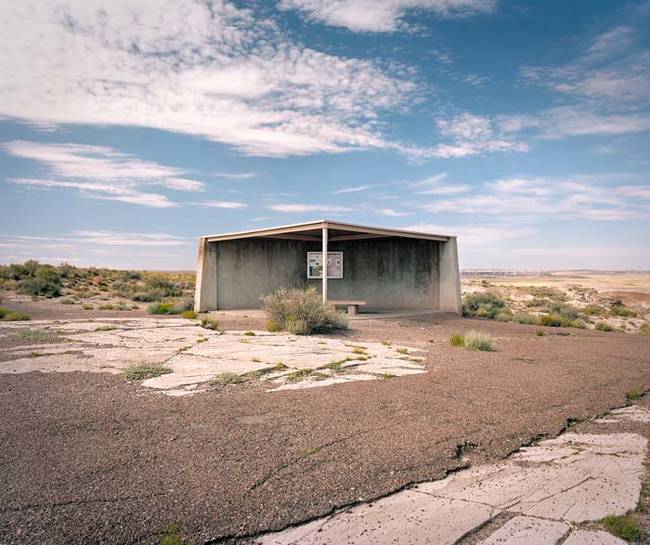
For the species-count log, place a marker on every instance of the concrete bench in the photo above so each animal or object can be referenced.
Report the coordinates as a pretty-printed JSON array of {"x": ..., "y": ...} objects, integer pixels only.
[{"x": 353, "y": 306}]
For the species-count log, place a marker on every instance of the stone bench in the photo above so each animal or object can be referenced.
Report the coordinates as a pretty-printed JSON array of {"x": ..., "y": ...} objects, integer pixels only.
[{"x": 353, "y": 306}]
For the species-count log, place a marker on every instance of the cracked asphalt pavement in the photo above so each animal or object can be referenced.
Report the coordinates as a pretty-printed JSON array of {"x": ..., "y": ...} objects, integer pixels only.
[{"x": 89, "y": 458}]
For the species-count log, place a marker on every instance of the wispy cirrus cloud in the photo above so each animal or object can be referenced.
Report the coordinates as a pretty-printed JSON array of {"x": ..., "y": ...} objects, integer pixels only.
[
  {"x": 221, "y": 204},
  {"x": 100, "y": 172},
  {"x": 354, "y": 189},
  {"x": 381, "y": 15},
  {"x": 213, "y": 70},
  {"x": 300, "y": 208}
]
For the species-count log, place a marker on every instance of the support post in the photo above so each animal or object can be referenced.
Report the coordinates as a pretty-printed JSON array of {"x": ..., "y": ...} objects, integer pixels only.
[
  {"x": 205, "y": 294},
  {"x": 324, "y": 249},
  {"x": 449, "y": 277}
]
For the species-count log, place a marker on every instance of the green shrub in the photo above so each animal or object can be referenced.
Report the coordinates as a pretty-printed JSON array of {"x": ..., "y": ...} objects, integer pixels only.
[
  {"x": 557, "y": 320},
  {"x": 632, "y": 395},
  {"x": 539, "y": 333},
  {"x": 167, "y": 308},
  {"x": 594, "y": 310},
  {"x": 249, "y": 333},
  {"x": 457, "y": 340},
  {"x": 7, "y": 315},
  {"x": 189, "y": 314},
  {"x": 87, "y": 307},
  {"x": 537, "y": 302},
  {"x": 144, "y": 371},
  {"x": 301, "y": 311},
  {"x": 478, "y": 340},
  {"x": 273, "y": 325},
  {"x": 171, "y": 536},
  {"x": 566, "y": 311},
  {"x": 46, "y": 282},
  {"x": 210, "y": 323},
  {"x": 67, "y": 301},
  {"x": 624, "y": 527},
  {"x": 604, "y": 326},
  {"x": 483, "y": 305},
  {"x": 645, "y": 329},
  {"x": 622, "y": 311},
  {"x": 504, "y": 316}
]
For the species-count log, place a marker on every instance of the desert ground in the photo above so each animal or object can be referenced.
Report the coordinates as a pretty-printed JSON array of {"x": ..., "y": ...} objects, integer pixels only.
[{"x": 382, "y": 433}]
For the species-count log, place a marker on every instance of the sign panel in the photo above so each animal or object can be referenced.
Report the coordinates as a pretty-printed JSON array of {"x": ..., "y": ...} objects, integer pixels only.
[{"x": 334, "y": 265}]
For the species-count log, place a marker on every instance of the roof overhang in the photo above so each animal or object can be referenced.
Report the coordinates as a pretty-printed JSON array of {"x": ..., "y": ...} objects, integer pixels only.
[{"x": 337, "y": 231}]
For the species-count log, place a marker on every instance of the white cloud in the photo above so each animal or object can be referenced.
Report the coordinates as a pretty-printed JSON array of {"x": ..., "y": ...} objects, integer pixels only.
[
  {"x": 472, "y": 135},
  {"x": 235, "y": 175},
  {"x": 580, "y": 197},
  {"x": 393, "y": 213},
  {"x": 211, "y": 70},
  {"x": 639, "y": 191},
  {"x": 476, "y": 236},
  {"x": 301, "y": 208},
  {"x": 101, "y": 172},
  {"x": 114, "y": 238},
  {"x": 222, "y": 204},
  {"x": 355, "y": 189},
  {"x": 381, "y": 15}
]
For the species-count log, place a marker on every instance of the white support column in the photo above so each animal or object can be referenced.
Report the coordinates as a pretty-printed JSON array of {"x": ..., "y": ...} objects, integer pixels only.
[{"x": 324, "y": 264}]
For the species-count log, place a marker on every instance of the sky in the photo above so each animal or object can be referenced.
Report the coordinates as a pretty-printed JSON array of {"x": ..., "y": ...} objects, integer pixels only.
[{"x": 130, "y": 128}]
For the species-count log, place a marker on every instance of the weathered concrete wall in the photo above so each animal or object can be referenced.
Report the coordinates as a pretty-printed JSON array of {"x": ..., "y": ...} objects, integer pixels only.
[
  {"x": 450, "y": 299},
  {"x": 386, "y": 272},
  {"x": 205, "y": 294}
]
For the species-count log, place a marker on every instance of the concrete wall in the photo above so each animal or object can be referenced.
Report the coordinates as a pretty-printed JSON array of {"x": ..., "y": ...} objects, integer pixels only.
[{"x": 385, "y": 272}]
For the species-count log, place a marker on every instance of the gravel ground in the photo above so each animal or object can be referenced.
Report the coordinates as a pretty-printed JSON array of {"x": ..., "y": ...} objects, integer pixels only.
[{"x": 88, "y": 458}]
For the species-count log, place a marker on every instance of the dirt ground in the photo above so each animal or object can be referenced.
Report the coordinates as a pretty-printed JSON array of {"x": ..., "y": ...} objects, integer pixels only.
[{"x": 90, "y": 458}]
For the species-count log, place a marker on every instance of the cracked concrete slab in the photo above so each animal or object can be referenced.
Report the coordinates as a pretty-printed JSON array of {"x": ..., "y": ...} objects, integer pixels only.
[
  {"x": 528, "y": 531},
  {"x": 589, "y": 537},
  {"x": 197, "y": 355},
  {"x": 549, "y": 488}
]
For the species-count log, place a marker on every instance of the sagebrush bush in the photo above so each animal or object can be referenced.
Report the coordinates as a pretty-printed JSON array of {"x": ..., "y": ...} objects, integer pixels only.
[
  {"x": 273, "y": 326},
  {"x": 555, "y": 320},
  {"x": 46, "y": 281},
  {"x": 210, "y": 323},
  {"x": 525, "y": 318},
  {"x": 479, "y": 340},
  {"x": 302, "y": 310},
  {"x": 189, "y": 314},
  {"x": 594, "y": 310},
  {"x": 483, "y": 305},
  {"x": 622, "y": 311},
  {"x": 169, "y": 308}
]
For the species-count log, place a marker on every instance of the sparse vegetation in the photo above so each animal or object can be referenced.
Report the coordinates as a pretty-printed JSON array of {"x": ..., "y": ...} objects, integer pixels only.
[
  {"x": 302, "y": 374},
  {"x": 273, "y": 326},
  {"x": 479, "y": 340},
  {"x": 171, "y": 536},
  {"x": 622, "y": 311},
  {"x": 594, "y": 310},
  {"x": 224, "y": 379},
  {"x": 457, "y": 340},
  {"x": 483, "y": 305},
  {"x": 210, "y": 323},
  {"x": 189, "y": 314},
  {"x": 168, "y": 308},
  {"x": 302, "y": 312},
  {"x": 249, "y": 333},
  {"x": 539, "y": 332},
  {"x": 525, "y": 318},
  {"x": 645, "y": 329},
  {"x": 145, "y": 371},
  {"x": 45, "y": 281},
  {"x": 7, "y": 315},
  {"x": 632, "y": 395},
  {"x": 39, "y": 336},
  {"x": 402, "y": 350},
  {"x": 604, "y": 326},
  {"x": 624, "y": 527},
  {"x": 386, "y": 376}
]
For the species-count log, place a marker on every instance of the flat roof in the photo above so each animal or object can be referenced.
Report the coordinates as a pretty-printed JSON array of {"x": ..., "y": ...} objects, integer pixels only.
[{"x": 337, "y": 231}]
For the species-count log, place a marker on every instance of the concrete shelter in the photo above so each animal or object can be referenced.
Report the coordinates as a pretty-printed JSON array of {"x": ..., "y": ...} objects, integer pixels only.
[{"x": 377, "y": 267}]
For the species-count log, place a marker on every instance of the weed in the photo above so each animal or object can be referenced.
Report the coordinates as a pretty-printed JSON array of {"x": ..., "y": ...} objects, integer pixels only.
[
  {"x": 457, "y": 340},
  {"x": 594, "y": 310},
  {"x": 144, "y": 371},
  {"x": 202, "y": 340},
  {"x": 210, "y": 323},
  {"x": 171, "y": 536},
  {"x": 106, "y": 307},
  {"x": 273, "y": 326},
  {"x": 67, "y": 301},
  {"x": 386, "y": 343},
  {"x": 189, "y": 315},
  {"x": 624, "y": 527},
  {"x": 539, "y": 333},
  {"x": 302, "y": 311},
  {"x": 249, "y": 333},
  {"x": 87, "y": 307},
  {"x": 604, "y": 326},
  {"x": 388, "y": 375},
  {"x": 227, "y": 378},
  {"x": 166, "y": 308},
  {"x": 106, "y": 328},
  {"x": 645, "y": 329},
  {"x": 359, "y": 350},
  {"x": 336, "y": 366},
  {"x": 256, "y": 360},
  {"x": 402, "y": 350},
  {"x": 632, "y": 395},
  {"x": 478, "y": 340}
]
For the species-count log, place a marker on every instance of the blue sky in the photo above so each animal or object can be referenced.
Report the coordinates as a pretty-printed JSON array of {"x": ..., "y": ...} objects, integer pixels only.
[{"x": 128, "y": 129}]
